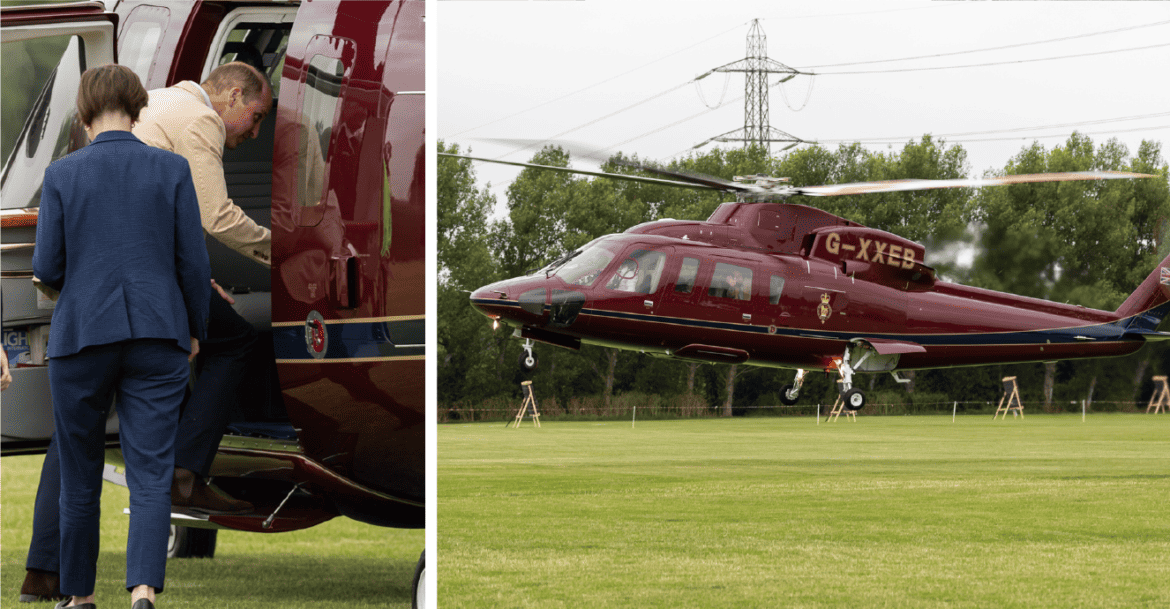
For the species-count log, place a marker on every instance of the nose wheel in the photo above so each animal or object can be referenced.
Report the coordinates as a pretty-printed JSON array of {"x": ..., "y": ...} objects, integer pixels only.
[
  {"x": 854, "y": 399},
  {"x": 791, "y": 392},
  {"x": 528, "y": 360}
]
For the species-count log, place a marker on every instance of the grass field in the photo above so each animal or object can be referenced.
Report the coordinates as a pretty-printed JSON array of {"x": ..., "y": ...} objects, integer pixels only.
[
  {"x": 887, "y": 511},
  {"x": 342, "y": 563}
]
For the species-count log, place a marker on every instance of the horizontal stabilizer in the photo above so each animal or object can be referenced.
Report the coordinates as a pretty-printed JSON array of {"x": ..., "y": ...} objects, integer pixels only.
[{"x": 1147, "y": 335}]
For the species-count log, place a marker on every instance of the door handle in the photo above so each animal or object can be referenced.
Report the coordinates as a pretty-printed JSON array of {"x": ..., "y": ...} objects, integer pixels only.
[
  {"x": 649, "y": 304},
  {"x": 747, "y": 316}
]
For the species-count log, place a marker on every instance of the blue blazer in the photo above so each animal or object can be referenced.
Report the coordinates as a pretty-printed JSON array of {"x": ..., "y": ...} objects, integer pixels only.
[{"x": 119, "y": 236}]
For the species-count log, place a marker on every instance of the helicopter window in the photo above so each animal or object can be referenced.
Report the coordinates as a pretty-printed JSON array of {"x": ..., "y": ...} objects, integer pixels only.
[
  {"x": 139, "y": 39},
  {"x": 686, "y": 275},
  {"x": 38, "y": 129},
  {"x": 323, "y": 89},
  {"x": 262, "y": 46},
  {"x": 731, "y": 281},
  {"x": 638, "y": 273},
  {"x": 583, "y": 268},
  {"x": 776, "y": 288}
]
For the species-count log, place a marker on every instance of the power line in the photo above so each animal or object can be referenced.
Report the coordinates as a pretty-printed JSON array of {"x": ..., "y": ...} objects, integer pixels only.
[
  {"x": 889, "y": 139},
  {"x": 993, "y": 139},
  {"x": 999, "y": 48},
  {"x": 454, "y": 135},
  {"x": 597, "y": 120},
  {"x": 600, "y": 82},
  {"x": 889, "y": 10},
  {"x": 1043, "y": 137},
  {"x": 995, "y": 63}
]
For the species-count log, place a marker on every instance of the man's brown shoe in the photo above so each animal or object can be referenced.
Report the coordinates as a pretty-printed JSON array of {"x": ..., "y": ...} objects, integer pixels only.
[
  {"x": 189, "y": 493},
  {"x": 40, "y": 586}
]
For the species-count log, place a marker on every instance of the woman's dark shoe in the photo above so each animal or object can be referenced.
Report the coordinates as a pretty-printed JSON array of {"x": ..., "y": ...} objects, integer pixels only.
[
  {"x": 143, "y": 603},
  {"x": 65, "y": 603},
  {"x": 40, "y": 586}
]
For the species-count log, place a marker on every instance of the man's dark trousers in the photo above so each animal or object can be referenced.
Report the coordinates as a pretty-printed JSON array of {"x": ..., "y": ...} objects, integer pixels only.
[{"x": 223, "y": 359}]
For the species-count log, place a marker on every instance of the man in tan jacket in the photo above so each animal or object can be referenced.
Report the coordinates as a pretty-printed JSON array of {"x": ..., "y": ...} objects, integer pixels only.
[{"x": 197, "y": 121}]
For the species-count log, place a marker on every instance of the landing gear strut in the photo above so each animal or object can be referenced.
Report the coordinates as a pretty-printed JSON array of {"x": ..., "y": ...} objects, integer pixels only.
[
  {"x": 854, "y": 398},
  {"x": 791, "y": 391},
  {"x": 528, "y": 361}
]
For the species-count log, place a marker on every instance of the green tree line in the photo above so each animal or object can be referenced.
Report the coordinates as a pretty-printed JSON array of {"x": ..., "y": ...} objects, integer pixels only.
[{"x": 1088, "y": 243}]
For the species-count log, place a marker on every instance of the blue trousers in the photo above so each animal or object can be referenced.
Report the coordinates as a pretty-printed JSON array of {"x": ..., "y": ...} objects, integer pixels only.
[
  {"x": 148, "y": 377},
  {"x": 222, "y": 357}
]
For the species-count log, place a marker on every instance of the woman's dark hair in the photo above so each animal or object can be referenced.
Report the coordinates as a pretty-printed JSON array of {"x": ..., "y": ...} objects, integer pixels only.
[{"x": 109, "y": 88}]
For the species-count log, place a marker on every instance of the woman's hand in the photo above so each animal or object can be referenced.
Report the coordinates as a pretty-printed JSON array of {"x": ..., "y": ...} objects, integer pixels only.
[{"x": 5, "y": 375}]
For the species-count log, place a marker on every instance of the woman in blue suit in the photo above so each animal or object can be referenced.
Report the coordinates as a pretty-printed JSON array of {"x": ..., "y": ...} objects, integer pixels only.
[{"x": 119, "y": 237}]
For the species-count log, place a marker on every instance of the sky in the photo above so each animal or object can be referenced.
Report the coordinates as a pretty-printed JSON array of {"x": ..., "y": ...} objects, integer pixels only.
[{"x": 511, "y": 74}]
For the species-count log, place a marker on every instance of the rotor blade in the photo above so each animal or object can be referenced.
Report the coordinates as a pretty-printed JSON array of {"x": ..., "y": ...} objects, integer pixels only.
[
  {"x": 695, "y": 178},
  {"x": 578, "y": 150},
  {"x": 601, "y": 174},
  {"x": 858, "y": 188}
]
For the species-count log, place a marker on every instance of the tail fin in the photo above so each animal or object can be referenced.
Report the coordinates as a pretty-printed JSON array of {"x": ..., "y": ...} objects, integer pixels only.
[{"x": 1150, "y": 302}]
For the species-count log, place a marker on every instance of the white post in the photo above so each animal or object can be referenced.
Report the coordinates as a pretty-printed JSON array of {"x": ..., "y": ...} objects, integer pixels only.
[
  {"x": 954, "y": 409},
  {"x": 818, "y": 414},
  {"x": 1082, "y": 411},
  {"x": 635, "y": 419}
]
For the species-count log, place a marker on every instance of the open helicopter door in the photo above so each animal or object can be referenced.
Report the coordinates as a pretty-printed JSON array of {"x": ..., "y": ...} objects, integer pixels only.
[{"x": 45, "y": 49}]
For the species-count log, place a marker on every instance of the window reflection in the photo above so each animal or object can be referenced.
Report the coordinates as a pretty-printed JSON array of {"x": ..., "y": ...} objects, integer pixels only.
[
  {"x": 584, "y": 267},
  {"x": 37, "y": 129},
  {"x": 686, "y": 275},
  {"x": 323, "y": 84},
  {"x": 775, "y": 289}
]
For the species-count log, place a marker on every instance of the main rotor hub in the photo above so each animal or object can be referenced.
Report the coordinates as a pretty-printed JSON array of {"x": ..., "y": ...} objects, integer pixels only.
[{"x": 761, "y": 180}]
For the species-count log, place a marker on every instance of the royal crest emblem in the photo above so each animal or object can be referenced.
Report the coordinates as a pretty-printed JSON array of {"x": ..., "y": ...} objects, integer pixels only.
[{"x": 824, "y": 310}]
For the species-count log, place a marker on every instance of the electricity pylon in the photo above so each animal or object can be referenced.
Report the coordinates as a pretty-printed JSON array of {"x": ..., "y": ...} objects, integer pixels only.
[{"x": 756, "y": 68}]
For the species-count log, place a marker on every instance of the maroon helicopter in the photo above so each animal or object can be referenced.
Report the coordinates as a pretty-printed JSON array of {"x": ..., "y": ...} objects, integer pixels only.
[
  {"x": 781, "y": 285},
  {"x": 333, "y": 422}
]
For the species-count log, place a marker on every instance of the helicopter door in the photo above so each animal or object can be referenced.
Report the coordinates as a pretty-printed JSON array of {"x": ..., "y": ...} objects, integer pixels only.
[
  {"x": 728, "y": 295},
  {"x": 45, "y": 50},
  {"x": 780, "y": 301},
  {"x": 634, "y": 290}
]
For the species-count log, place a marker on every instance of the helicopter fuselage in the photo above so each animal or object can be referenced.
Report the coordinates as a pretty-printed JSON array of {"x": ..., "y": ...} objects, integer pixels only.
[{"x": 794, "y": 287}]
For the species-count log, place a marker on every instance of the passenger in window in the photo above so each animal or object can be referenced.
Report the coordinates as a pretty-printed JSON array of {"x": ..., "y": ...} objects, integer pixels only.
[
  {"x": 119, "y": 237},
  {"x": 731, "y": 282},
  {"x": 738, "y": 287}
]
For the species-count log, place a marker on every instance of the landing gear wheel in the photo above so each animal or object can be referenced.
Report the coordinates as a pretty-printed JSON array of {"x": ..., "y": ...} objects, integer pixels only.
[
  {"x": 418, "y": 592},
  {"x": 528, "y": 361},
  {"x": 854, "y": 400},
  {"x": 788, "y": 395},
  {"x": 186, "y": 542}
]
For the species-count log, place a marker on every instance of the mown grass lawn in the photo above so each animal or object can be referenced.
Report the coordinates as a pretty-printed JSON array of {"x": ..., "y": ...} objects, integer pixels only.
[
  {"x": 341, "y": 563},
  {"x": 888, "y": 511}
]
